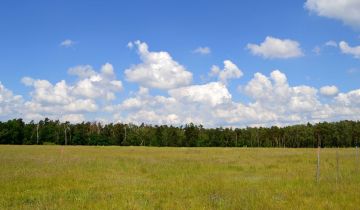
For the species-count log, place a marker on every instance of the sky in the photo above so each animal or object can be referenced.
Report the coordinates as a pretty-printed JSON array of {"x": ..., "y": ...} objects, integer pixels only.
[{"x": 217, "y": 63}]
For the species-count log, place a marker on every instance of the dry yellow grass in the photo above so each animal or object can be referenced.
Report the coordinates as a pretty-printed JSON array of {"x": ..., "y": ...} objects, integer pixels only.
[{"x": 82, "y": 177}]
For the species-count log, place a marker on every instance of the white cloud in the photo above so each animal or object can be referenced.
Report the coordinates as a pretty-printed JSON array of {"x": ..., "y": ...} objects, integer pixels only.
[
  {"x": 130, "y": 45},
  {"x": 10, "y": 104},
  {"x": 153, "y": 117},
  {"x": 331, "y": 43},
  {"x": 47, "y": 93},
  {"x": 230, "y": 71},
  {"x": 67, "y": 43},
  {"x": 64, "y": 101},
  {"x": 74, "y": 118},
  {"x": 183, "y": 105},
  {"x": 276, "y": 48},
  {"x": 27, "y": 81},
  {"x": 304, "y": 99},
  {"x": 146, "y": 108},
  {"x": 82, "y": 71},
  {"x": 214, "y": 93},
  {"x": 329, "y": 90},
  {"x": 273, "y": 101},
  {"x": 351, "y": 98},
  {"x": 107, "y": 69},
  {"x": 275, "y": 94},
  {"x": 209, "y": 104},
  {"x": 81, "y": 105},
  {"x": 346, "y": 49},
  {"x": 270, "y": 99},
  {"x": 96, "y": 85},
  {"x": 157, "y": 70},
  {"x": 348, "y": 11},
  {"x": 202, "y": 50},
  {"x": 91, "y": 85}
]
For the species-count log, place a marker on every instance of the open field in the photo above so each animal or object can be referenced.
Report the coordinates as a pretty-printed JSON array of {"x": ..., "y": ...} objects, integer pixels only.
[{"x": 82, "y": 177}]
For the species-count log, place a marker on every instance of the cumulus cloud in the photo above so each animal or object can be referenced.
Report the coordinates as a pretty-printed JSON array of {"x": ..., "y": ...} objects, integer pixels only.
[
  {"x": 91, "y": 85},
  {"x": 96, "y": 85},
  {"x": 329, "y": 90},
  {"x": 69, "y": 101},
  {"x": 67, "y": 43},
  {"x": 347, "y": 11},
  {"x": 144, "y": 107},
  {"x": 157, "y": 70},
  {"x": 182, "y": 105},
  {"x": 272, "y": 100},
  {"x": 55, "y": 101},
  {"x": 230, "y": 71},
  {"x": 213, "y": 93},
  {"x": 27, "y": 81},
  {"x": 346, "y": 49},
  {"x": 276, "y": 48},
  {"x": 211, "y": 104},
  {"x": 45, "y": 92},
  {"x": 274, "y": 93},
  {"x": 202, "y": 50},
  {"x": 10, "y": 104},
  {"x": 352, "y": 98},
  {"x": 82, "y": 71}
]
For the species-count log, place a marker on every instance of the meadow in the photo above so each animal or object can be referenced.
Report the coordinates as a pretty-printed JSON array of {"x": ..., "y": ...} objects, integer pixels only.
[{"x": 113, "y": 177}]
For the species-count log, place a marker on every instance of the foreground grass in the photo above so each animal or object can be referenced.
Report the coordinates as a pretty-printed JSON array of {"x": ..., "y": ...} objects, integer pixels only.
[{"x": 81, "y": 177}]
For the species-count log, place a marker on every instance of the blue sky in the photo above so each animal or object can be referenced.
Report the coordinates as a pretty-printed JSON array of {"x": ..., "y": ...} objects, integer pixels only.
[{"x": 41, "y": 40}]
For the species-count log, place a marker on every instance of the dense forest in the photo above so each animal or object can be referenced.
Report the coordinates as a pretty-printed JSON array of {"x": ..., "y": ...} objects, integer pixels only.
[{"x": 335, "y": 134}]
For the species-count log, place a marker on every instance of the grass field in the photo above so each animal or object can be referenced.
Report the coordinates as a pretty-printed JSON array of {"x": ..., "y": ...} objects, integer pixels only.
[{"x": 82, "y": 177}]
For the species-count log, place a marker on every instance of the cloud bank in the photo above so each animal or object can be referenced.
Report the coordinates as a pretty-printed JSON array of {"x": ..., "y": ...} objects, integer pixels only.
[{"x": 95, "y": 94}]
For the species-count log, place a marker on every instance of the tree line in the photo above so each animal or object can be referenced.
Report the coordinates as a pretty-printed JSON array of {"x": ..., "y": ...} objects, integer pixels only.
[{"x": 324, "y": 134}]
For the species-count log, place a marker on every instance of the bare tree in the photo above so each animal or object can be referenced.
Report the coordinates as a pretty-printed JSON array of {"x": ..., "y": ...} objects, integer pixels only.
[
  {"x": 66, "y": 128},
  {"x": 125, "y": 133},
  {"x": 37, "y": 133}
]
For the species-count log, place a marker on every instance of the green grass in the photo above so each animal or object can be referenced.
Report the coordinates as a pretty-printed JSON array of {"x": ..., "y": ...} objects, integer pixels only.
[{"x": 83, "y": 177}]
